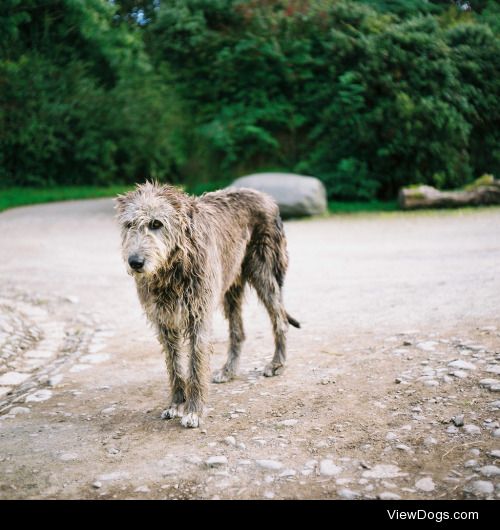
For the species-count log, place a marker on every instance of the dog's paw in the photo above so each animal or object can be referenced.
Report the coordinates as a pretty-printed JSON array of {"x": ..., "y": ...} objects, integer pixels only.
[
  {"x": 172, "y": 412},
  {"x": 221, "y": 376},
  {"x": 272, "y": 369},
  {"x": 191, "y": 420}
]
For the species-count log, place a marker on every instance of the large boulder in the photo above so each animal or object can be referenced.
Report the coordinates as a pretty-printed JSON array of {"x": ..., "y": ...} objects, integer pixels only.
[{"x": 296, "y": 195}]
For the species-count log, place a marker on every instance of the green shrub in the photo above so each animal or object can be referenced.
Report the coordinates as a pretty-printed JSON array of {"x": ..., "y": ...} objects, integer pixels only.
[
  {"x": 366, "y": 99},
  {"x": 79, "y": 100},
  {"x": 368, "y": 96}
]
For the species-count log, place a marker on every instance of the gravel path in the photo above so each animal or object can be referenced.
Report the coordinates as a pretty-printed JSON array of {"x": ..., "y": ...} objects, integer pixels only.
[{"x": 392, "y": 388}]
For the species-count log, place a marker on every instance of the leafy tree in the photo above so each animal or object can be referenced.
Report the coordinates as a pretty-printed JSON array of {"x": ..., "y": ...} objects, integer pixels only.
[
  {"x": 367, "y": 95},
  {"x": 80, "y": 102}
]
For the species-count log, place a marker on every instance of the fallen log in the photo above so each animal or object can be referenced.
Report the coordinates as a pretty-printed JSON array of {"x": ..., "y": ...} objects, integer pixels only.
[{"x": 429, "y": 197}]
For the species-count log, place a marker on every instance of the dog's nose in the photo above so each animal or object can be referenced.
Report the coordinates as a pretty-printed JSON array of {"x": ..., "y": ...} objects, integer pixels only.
[{"x": 136, "y": 262}]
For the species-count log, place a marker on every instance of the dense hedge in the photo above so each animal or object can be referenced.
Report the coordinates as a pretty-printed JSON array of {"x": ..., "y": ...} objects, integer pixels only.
[
  {"x": 368, "y": 96},
  {"x": 79, "y": 100}
]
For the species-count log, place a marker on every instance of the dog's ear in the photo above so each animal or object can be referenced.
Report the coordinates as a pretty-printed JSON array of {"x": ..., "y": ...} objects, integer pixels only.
[
  {"x": 160, "y": 189},
  {"x": 167, "y": 189},
  {"x": 121, "y": 201},
  {"x": 172, "y": 194}
]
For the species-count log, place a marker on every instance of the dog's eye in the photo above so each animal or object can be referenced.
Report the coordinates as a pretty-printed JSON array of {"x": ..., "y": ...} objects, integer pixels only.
[
  {"x": 128, "y": 226},
  {"x": 154, "y": 225}
]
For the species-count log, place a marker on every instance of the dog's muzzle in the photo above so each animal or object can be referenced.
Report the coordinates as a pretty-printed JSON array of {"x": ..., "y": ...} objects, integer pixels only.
[{"x": 136, "y": 262}]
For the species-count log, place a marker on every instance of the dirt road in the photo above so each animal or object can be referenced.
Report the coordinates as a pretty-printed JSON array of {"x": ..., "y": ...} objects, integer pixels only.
[{"x": 400, "y": 335}]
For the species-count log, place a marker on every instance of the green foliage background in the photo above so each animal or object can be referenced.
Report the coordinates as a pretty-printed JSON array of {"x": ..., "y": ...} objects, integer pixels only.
[{"x": 366, "y": 95}]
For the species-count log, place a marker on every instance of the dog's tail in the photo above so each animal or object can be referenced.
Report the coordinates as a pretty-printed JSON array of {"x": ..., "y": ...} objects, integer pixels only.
[{"x": 292, "y": 321}]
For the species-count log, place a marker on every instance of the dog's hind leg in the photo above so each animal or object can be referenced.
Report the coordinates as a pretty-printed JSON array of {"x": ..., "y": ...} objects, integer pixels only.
[
  {"x": 197, "y": 382},
  {"x": 170, "y": 339},
  {"x": 269, "y": 293},
  {"x": 232, "y": 309},
  {"x": 265, "y": 267}
]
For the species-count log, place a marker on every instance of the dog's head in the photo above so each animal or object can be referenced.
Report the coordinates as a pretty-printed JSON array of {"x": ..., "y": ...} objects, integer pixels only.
[{"x": 152, "y": 220}]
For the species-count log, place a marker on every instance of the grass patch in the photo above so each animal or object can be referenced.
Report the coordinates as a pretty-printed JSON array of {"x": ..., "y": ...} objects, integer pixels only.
[
  {"x": 362, "y": 207},
  {"x": 12, "y": 197}
]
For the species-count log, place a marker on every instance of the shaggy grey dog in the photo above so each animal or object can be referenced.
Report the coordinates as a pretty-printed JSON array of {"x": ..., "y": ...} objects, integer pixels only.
[{"x": 187, "y": 255}]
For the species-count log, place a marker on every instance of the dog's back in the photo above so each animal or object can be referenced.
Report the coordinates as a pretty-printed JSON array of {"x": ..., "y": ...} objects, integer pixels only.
[
  {"x": 250, "y": 206},
  {"x": 249, "y": 232}
]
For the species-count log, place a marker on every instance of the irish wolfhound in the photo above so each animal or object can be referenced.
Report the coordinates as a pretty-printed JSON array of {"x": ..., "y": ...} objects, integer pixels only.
[{"x": 187, "y": 255}]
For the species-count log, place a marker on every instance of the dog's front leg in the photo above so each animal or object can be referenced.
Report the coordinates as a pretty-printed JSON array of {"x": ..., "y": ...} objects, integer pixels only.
[
  {"x": 171, "y": 339},
  {"x": 197, "y": 383}
]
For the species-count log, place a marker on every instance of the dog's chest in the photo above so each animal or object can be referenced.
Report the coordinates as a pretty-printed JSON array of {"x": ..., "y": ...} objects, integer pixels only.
[
  {"x": 174, "y": 317},
  {"x": 165, "y": 304}
]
